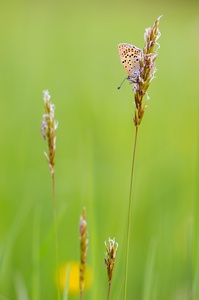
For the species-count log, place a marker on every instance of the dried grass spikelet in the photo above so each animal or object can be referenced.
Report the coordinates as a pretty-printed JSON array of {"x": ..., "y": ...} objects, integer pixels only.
[
  {"x": 110, "y": 256},
  {"x": 48, "y": 130},
  {"x": 83, "y": 234},
  {"x": 147, "y": 70}
]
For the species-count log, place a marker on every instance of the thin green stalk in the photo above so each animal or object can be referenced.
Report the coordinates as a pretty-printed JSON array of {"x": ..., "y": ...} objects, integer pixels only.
[
  {"x": 67, "y": 283},
  {"x": 129, "y": 214},
  {"x": 55, "y": 235},
  {"x": 109, "y": 290}
]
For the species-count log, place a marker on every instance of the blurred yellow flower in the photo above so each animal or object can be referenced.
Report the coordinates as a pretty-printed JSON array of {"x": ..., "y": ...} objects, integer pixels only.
[{"x": 73, "y": 282}]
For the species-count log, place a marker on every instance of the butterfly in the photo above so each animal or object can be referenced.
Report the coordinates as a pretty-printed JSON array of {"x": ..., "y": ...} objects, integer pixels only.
[{"x": 130, "y": 57}]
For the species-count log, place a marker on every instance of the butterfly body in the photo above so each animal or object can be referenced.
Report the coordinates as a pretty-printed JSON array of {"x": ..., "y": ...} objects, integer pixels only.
[{"x": 130, "y": 57}]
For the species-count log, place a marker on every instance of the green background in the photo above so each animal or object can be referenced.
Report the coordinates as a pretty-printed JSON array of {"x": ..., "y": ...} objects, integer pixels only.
[{"x": 70, "y": 48}]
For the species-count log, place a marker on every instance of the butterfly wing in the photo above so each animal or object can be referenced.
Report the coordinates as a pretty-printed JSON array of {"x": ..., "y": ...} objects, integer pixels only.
[{"x": 130, "y": 57}]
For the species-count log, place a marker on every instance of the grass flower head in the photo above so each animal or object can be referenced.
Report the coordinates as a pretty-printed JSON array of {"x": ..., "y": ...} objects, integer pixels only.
[
  {"x": 48, "y": 130},
  {"x": 110, "y": 256},
  {"x": 140, "y": 67},
  {"x": 83, "y": 235},
  {"x": 147, "y": 70}
]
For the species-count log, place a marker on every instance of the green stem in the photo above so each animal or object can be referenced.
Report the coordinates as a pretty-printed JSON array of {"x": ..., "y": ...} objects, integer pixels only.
[
  {"x": 109, "y": 290},
  {"x": 81, "y": 295},
  {"x": 129, "y": 214},
  {"x": 55, "y": 233}
]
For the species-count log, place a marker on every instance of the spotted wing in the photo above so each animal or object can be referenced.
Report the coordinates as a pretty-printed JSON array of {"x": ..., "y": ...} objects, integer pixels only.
[{"x": 130, "y": 58}]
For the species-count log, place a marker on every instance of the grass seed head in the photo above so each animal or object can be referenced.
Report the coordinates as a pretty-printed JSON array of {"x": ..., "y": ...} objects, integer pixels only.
[
  {"x": 48, "y": 129},
  {"x": 147, "y": 70},
  {"x": 110, "y": 256},
  {"x": 83, "y": 235}
]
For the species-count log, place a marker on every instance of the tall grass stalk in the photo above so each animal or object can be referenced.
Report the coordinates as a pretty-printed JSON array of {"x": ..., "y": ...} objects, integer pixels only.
[
  {"x": 55, "y": 234},
  {"x": 48, "y": 130},
  {"x": 129, "y": 212},
  {"x": 140, "y": 67}
]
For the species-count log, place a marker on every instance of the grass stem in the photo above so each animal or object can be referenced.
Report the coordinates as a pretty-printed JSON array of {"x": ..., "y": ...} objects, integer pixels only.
[
  {"x": 55, "y": 233},
  {"x": 109, "y": 290},
  {"x": 129, "y": 214}
]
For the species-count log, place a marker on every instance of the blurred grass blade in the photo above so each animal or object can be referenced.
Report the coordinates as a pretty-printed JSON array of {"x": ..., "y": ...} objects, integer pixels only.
[
  {"x": 67, "y": 282},
  {"x": 12, "y": 235},
  {"x": 149, "y": 273},
  {"x": 3, "y": 298},
  {"x": 21, "y": 290},
  {"x": 35, "y": 255}
]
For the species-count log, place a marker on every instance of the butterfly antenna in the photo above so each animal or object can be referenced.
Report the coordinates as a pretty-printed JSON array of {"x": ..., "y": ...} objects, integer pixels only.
[{"x": 119, "y": 87}]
